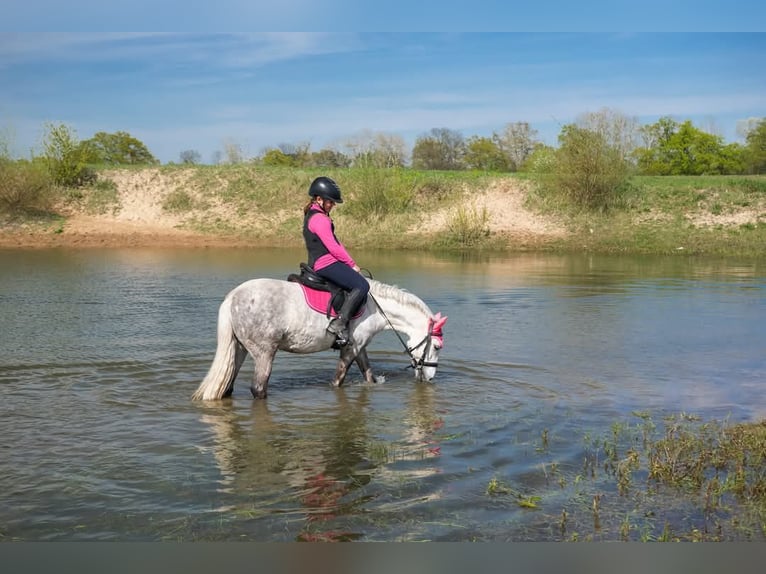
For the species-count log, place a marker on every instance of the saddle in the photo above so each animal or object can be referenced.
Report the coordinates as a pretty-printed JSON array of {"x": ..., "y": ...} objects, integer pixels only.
[{"x": 308, "y": 278}]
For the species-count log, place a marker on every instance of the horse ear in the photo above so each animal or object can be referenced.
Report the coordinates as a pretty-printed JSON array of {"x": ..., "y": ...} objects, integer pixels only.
[{"x": 439, "y": 321}]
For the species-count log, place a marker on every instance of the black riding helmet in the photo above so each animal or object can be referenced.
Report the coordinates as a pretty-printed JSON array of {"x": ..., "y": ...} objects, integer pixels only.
[{"x": 325, "y": 188}]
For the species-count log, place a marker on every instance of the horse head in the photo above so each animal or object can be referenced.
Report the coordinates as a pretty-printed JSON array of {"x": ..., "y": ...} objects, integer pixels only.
[{"x": 425, "y": 365}]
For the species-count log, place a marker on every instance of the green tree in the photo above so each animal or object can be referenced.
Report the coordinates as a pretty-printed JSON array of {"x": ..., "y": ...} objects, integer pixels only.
[
  {"x": 276, "y": 157},
  {"x": 329, "y": 158},
  {"x": 64, "y": 157},
  {"x": 484, "y": 154},
  {"x": 682, "y": 149},
  {"x": 755, "y": 151},
  {"x": 119, "y": 148},
  {"x": 588, "y": 169},
  {"x": 542, "y": 161},
  {"x": 441, "y": 148}
]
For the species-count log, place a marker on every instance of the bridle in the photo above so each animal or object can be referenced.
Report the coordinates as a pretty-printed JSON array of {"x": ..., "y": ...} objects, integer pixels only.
[
  {"x": 415, "y": 363},
  {"x": 420, "y": 363}
]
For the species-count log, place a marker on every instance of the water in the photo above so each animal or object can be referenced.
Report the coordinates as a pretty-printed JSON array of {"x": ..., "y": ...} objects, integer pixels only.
[{"x": 100, "y": 351}]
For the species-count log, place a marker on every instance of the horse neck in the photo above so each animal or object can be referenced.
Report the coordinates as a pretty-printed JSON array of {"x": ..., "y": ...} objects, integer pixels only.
[{"x": 406, "y": 314}]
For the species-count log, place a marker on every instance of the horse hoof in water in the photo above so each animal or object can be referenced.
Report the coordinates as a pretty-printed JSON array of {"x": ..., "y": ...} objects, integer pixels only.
[{"x": 258, "y": 394}]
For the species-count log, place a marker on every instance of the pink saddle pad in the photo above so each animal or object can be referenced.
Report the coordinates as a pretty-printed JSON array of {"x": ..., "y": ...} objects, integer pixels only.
[{"x": 318, "y": 301}]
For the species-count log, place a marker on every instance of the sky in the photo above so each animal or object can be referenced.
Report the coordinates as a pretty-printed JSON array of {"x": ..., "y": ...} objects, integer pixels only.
[{"x": 201, "y": 91}]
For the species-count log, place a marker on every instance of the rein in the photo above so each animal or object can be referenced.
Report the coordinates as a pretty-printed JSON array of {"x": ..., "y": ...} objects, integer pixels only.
[{"x": 414, "y": 363}]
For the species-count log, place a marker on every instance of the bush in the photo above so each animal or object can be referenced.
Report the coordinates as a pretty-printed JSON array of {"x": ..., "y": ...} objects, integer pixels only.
[
  {"x": 377, "y": 193},
  {"x": 65, "y": 158},
  {"x": 589, "y": 171},
  {"x": 178, "y": 201},
  {"x": 25, "y": 187},
  {"x": 467, "y": 227}
]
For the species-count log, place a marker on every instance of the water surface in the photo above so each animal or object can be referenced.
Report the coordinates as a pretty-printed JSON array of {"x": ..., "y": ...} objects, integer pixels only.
[{"x": 100, "y": 351}]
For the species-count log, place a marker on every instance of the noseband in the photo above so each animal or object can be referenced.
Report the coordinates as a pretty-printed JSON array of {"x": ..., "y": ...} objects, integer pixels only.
[{"x": 420, "y": 363}]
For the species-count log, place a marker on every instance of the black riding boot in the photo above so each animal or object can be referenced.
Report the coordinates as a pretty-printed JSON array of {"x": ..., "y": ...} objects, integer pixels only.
[{"x": 339, "y": 325}]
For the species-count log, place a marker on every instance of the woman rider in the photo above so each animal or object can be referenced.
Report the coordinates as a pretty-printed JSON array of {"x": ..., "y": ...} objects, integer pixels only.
[{"x": 328, "y": 257}]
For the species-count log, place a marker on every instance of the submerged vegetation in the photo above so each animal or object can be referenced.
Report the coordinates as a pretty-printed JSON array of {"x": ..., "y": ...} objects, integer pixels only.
[{"x": 682, "y": 480}]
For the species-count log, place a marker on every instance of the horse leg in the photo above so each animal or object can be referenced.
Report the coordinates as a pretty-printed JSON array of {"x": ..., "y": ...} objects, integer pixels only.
[
  {"x": 363, "y": 361},
  {"x": 346, "y": 358},
  {"x": 263, "y": 357},
  {"x": 240, "y": 354}
]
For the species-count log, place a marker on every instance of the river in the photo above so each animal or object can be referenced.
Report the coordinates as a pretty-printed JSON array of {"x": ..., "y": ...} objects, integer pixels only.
[{"x": 101, "y": 349}]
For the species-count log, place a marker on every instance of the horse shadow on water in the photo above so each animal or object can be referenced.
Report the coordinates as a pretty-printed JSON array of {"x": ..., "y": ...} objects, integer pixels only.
[{"x": 263, "y": 316}]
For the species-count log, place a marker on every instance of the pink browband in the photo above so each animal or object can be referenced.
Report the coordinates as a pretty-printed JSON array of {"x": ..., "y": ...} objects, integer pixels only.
[{"x": 435, "y": 325}]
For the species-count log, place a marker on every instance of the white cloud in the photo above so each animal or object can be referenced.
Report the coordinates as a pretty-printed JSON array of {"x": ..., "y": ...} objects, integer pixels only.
[{"x": 226, "y": 50}]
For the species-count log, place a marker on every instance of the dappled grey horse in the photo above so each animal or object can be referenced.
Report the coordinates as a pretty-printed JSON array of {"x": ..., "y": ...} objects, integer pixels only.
[{"x": 263, "y": 316}]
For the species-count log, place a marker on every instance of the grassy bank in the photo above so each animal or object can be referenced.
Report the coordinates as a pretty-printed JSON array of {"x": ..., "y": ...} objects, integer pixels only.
[
  {"x": 426, "y": 210},
  {"x": 721, "y": 215},
  {"x": 381, "y": 207}
]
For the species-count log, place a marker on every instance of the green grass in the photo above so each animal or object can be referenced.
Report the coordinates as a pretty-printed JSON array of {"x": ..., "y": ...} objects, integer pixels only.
[
  {"x": 392, "y": 209},
  {"x": 657, "y": 215}
]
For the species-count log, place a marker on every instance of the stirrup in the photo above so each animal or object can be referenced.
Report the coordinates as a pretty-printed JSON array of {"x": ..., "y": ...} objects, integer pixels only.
[
  {"x": 339, "y": 343},
  {"x": 340, "y": 330}
]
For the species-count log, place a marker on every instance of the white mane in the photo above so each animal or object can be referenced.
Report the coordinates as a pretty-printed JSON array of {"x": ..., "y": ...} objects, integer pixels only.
[{"x": 399, "y": 295}]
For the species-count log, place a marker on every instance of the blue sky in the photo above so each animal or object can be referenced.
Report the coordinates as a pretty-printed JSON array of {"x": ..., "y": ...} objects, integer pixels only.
[{"x": 180, "y": 91}]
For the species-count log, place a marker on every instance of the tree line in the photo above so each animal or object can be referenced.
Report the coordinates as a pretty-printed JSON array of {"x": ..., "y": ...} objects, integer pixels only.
[
  {"x": 595, "y": 156},
  {"x": 666, "y": 147}
]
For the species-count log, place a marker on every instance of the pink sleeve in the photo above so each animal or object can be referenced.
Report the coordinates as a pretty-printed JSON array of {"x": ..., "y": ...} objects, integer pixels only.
[{"x": 320, "y": 224}]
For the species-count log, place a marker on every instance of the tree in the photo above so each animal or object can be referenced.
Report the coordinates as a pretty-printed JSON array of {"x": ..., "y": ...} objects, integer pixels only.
[
  {"x": 276, "y": 157},
  {"x": 329, "y": 158},
  {"x": 119, "y": 148},
  {"x": 441, "y": 148},
  {"x": 376, "y": 149},
  {"x": 389, "y": 150},
  {"x": 744, "y": 127},
  {"x": 589, "y": 170},
  {"x": 485, "y": 154},
  {"x": 190, "y": 157},
  {"x": 618, "y": 130},
  {"x": 755, "y": 153},
  {"x": 517, "y": 141},
  {"x": 65, "y": 157},
  {"x": 233, "y": 152},
  {"x": 682, "y": 149},
  {"x": 299, "y": 154}
]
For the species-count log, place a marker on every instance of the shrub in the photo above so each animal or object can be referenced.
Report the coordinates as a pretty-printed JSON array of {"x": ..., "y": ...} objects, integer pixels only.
[
  {"x": 178, "y": 201},
  {"x": 378, "y": 193},
  {"x": 589, "y": 171},
  {"x": 468, "y": 227},
  {"x": 65, "y": 158},
  {"x": 25, "y": 187}
]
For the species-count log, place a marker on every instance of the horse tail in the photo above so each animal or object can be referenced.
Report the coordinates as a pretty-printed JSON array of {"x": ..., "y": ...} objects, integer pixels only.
[{"x": 229, "y": 356}]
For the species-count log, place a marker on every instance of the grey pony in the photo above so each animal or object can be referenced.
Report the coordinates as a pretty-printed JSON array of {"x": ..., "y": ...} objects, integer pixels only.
[{"x": 263, "y": 316}]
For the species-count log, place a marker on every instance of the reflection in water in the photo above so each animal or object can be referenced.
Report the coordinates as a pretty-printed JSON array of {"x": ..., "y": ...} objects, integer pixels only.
[
  {"x": 317, "y": 471},
  {"x": 317, "y": 457}
]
